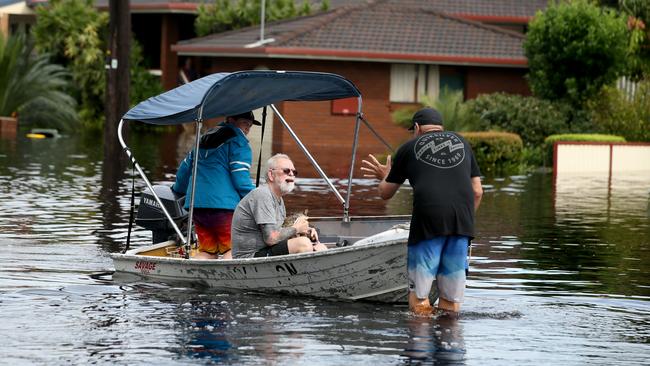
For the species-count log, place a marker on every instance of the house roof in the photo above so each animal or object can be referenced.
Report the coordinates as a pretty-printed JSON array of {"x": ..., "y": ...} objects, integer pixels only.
[
  {"x": 492, "y": 11},
  {"x": 385, "y": 30}
]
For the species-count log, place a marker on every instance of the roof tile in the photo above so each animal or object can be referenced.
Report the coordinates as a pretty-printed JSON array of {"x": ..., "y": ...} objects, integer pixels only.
[{"x": 394, "y": 29}]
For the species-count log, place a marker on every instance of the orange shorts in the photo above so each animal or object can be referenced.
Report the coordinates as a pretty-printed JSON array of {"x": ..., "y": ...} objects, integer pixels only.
[{"x": 213, "y": 229}]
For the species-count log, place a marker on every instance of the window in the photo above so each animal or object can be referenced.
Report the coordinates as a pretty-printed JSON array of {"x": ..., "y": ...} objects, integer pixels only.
[{"x": 408, "y": 82}]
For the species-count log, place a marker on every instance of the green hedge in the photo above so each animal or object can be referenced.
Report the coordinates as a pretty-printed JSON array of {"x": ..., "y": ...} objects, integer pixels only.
[
  {"x": 531, "y": 118},
  {"x": 495, "y": 150},
  {"x": 588, "y": 137}
]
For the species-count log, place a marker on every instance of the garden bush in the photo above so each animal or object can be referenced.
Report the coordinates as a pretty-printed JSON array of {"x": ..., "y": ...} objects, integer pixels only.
[
  {"x": 495, "y": 150},
  {"x": 615, "y": 113},
  {"x": 531, "y": 118}
]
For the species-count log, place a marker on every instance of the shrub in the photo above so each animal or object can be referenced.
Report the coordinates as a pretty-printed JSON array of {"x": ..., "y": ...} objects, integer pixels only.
[
  {"x": 495, "y": 150},
  {"x": 589, "y": 137},
  {"x": 613, "y": 112},
  {"x": 531, "y": 118}
]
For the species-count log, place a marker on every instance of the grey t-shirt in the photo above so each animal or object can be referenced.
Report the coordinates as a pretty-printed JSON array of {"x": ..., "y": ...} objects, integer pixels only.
[{"x": 258, "y": 207}]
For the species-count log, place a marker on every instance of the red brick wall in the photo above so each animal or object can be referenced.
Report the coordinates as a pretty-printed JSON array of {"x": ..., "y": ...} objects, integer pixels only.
[
  {"x": 329, "y": 137},
  {"x": 485, "y": 80}
]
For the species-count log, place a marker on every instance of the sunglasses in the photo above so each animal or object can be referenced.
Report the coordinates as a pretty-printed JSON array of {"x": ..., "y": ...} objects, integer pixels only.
[{"x": 287, "y": 171}]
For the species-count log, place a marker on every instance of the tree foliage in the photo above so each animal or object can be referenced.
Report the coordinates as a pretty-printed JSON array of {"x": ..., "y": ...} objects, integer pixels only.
[
  {"x": 28, "y": 78},
  {"x": 573, "y": 49},
  {"x": 74, "y": 33},
  {"x": 225, "y": 15},
  {"x": 638, "y": 12}
]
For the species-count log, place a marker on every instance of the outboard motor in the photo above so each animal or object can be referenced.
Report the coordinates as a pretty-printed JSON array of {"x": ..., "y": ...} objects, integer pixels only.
[{"x": 151, "y": 217}]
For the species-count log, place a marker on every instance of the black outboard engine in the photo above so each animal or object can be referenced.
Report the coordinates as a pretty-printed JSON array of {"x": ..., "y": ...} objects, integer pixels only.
[{"x": 151, "y": 217}]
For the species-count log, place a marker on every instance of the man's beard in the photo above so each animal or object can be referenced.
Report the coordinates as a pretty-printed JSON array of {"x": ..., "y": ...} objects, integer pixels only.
[{"x": 287, "y": 187}]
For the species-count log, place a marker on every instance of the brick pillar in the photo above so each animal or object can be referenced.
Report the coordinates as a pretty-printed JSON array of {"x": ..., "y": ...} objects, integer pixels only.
[
  {"x": 4, "y": 24},
  {"x": 168, "y": 59}
]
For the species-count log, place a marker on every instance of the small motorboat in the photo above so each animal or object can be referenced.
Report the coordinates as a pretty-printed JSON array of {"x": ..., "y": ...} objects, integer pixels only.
[{"x": 366, "y": 259}]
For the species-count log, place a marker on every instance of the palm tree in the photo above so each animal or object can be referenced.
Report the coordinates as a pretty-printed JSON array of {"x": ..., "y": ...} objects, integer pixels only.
[
  {"x": 455, "y": 113},
  {"x": 30, "y": 84}
]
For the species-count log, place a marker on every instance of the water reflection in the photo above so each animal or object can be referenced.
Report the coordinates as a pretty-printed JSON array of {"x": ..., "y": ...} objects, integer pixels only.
[
  {"x": 588, "y": 199},
  {"x": 112, "y": 174},
  {"x": 435, "y": 340}
]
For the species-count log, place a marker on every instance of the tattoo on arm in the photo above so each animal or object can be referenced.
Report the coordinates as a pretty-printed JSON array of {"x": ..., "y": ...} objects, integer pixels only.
[{"x": 274, "y": 234}]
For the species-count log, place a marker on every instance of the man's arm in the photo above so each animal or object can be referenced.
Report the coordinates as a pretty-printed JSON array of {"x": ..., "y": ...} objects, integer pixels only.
[
  {"x": 273, "y": 234},
  {"x": 380, "y": 171},
  {"x": 183, "y": 175},
  {"x": 387, "y": 190},
  {"x": 239, "y": 165},
  {"x": 478, "y": 191}
]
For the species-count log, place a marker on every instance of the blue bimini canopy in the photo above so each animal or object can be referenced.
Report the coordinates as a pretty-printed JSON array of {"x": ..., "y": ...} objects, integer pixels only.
[{"x": 226, "y": 94}]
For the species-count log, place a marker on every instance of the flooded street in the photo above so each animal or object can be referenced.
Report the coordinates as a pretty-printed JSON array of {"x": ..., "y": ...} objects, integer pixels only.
[{"x": 559, "y": 275}]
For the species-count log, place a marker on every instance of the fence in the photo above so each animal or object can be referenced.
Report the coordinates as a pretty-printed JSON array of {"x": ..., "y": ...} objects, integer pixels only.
[{"x": 601, "y": 158}]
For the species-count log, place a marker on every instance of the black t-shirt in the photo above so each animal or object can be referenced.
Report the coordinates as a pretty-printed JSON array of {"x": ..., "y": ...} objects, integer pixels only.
[{"x": 440, "y": 166}]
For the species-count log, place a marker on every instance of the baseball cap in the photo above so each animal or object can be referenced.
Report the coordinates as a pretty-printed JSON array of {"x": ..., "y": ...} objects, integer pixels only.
[
  {"x": 247, "y": 115},
  {"x": 426, "y": 116}
]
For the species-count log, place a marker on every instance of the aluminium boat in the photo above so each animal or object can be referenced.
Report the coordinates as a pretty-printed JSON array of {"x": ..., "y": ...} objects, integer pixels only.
[{"x": 366, "y": 259}]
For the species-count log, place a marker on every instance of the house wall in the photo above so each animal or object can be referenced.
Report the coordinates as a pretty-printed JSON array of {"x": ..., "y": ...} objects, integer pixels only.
[
  {"x": 329, "y": 137},
  {"x": 485, "y": 80}
]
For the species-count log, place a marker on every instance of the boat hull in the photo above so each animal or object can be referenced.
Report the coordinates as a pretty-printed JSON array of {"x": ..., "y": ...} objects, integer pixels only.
[{"x": 375, "y": 272}]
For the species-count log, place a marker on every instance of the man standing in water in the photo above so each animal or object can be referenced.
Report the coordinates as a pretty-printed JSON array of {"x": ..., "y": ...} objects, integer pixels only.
[{"x": 442, "y": 170}]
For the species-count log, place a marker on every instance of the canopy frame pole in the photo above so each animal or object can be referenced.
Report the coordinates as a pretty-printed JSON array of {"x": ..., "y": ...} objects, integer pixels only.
[
  {"x": 195, "y": 164},
  {"x": 355, "y": 144},
  {"x": 377, "y": 135},
  {"x": 146, "y": 181},
  {"x": 308, "y": 155}
]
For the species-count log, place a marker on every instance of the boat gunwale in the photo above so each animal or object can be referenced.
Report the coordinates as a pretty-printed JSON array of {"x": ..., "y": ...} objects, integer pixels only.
[{"x": 132, "y": 255}]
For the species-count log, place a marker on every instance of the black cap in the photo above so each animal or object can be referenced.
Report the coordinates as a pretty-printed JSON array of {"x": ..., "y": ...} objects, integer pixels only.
[
  {"x": 247, "y": 115},
  {"x": 426, "y": 116}
]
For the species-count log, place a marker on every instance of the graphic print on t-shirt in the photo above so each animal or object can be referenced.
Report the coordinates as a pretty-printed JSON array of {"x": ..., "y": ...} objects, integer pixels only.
[{"x": 440, "y": 149}]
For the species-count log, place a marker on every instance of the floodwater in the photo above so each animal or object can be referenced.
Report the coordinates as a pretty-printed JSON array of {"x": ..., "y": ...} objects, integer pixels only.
[{"x": 559, "y": 275}]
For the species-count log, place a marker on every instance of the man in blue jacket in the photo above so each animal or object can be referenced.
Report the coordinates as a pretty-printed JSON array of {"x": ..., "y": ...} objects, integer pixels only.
[{"x": 223, "y": 178}]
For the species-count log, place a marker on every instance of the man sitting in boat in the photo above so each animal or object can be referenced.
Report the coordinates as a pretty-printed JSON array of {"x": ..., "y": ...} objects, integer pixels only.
[
  {"x": 257, "y": 222},
  {"x": 223, "y": 178}
]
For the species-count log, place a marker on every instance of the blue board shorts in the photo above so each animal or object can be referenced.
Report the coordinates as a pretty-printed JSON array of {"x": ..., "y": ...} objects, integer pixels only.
[{"x": 443, "y": 258}]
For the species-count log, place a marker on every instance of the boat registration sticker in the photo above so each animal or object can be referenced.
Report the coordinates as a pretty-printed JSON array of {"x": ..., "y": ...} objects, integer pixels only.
[{"x": 145, "y": 267}]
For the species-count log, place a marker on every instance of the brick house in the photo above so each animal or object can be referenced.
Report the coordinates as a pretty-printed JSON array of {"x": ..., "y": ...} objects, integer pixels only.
[
  {"x": 394, "y": 51},
  {"x": 14, "y": 15}
]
